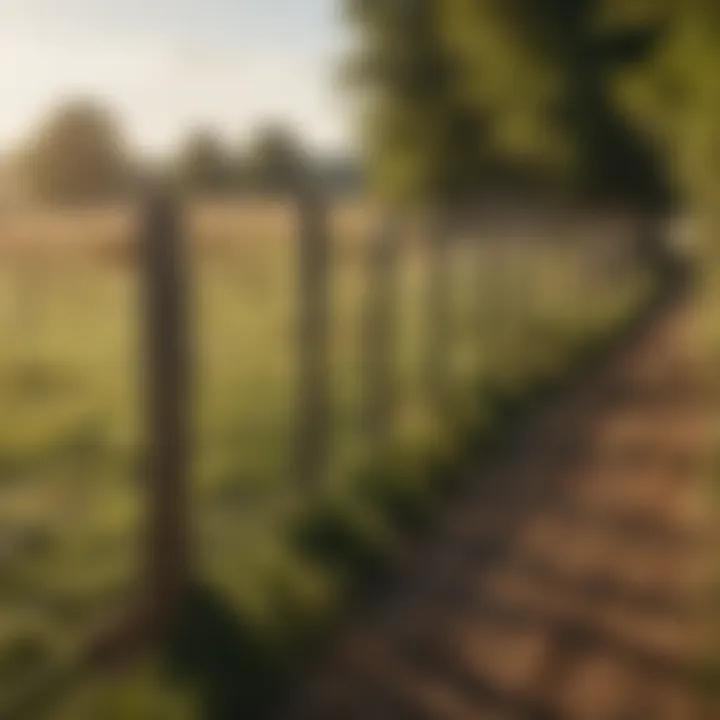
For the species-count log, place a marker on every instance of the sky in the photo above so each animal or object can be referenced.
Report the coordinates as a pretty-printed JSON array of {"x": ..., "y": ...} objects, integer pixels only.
[{"x": 166, "y": 66}]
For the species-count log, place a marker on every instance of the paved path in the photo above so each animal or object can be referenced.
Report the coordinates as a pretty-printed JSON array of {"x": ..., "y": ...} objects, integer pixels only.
[{"x": 565, "y": 583}]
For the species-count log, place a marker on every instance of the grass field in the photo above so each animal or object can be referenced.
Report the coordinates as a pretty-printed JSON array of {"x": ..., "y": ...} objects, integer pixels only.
[{"x": 525, "y": 301}]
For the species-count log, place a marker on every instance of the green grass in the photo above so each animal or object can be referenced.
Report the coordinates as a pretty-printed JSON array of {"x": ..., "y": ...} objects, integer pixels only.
[{"x": 272, "y": 570}]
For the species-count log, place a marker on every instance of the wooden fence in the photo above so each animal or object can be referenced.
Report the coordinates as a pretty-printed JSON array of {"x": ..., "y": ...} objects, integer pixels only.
[
  {"x": 169, "y": 355},
  {"x": 169, "y": 349}
]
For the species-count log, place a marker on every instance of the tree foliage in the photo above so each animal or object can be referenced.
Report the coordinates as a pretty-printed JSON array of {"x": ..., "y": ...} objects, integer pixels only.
[
  {"x": 77, "y": 155},
  {"x": 458, "y": 92},
  {"x": 274, "y": 161},
  {"x": 673, "y": 92},
  {"x": 204, "y": 164},
  {"x": 423, "y": 136}
]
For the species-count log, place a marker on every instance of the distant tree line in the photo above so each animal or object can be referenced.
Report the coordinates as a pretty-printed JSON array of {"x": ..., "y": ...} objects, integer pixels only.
[
  {"x": 602, "y": 100},
  {"x": 80, "y": 154}
]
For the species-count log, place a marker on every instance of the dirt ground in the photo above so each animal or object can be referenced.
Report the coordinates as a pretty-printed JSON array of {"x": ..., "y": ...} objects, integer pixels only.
[{"x": 567, "y": 581}]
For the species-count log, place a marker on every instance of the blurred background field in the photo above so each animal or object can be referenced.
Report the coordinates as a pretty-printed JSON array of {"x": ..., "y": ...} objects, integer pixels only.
[{"x": 70, "y": 416}]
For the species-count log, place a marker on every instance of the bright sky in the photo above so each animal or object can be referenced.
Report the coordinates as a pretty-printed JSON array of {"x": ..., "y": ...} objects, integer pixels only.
[{"x": 166, "y": 65}]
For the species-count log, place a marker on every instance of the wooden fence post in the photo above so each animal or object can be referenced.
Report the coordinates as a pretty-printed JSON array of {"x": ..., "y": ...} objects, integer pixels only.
[
  {"x": 380, "y": 329},
  {"x": 313, "y": 390},
  {"x": 167, "y": 366}
]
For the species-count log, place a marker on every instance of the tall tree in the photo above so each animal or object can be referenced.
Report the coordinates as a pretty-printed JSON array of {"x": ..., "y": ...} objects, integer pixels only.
[
  {"x": 545, "y": 74},
  {"x": 275, "y": 160},
  {"x": 460, "y": 92},
  {"x": 203, "y": 163},
  {"x": 673, "y": 93},
  {"x": 78, "y": 154},
  {"x": 422, "y": 136}
]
